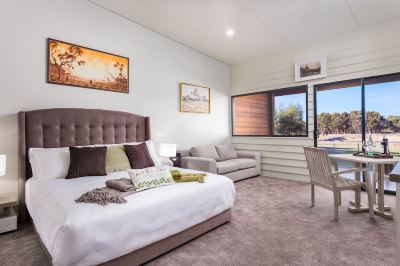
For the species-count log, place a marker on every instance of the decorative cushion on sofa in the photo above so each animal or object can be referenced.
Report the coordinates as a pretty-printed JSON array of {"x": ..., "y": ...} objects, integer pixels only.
[
  {"x": 226, "y": 151},
  {"x": 207, "y": 151},
  {"x": 227, "y": 167}
]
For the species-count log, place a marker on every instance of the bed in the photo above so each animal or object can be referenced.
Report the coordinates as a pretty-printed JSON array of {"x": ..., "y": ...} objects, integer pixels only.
[{"x": 151, "y": 223}]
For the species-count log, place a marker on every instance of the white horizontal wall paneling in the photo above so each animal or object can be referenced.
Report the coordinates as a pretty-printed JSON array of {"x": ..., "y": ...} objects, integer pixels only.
[
  {"x": 289, "y": 176},
  {"x": 279, "y": 155},
  {"x": 375, "y": 51}
]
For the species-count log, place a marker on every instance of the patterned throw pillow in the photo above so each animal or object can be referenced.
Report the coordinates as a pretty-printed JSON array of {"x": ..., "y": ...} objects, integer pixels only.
[{"x": 150, "y": 177}]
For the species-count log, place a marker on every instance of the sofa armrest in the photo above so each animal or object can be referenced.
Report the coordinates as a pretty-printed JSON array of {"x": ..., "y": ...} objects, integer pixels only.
[
  {"x": 184, "y": 153},
  {"x": 251, "y": 155},
  {"x": 200, "y": 164}
]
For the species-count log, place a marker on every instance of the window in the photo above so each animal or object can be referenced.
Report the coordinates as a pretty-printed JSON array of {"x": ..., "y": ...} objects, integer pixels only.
[
  {"x": 271, "y": 113},
  {"x": 382, "y": 116},
  {"x": 339, "y": 116},
  {"x": 349, "y": 112},
  {"x": 290, "y": 112}
]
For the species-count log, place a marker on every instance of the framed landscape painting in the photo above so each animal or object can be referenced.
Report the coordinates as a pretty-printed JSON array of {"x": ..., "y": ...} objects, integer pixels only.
[
  {"x": 194, "y": 98},
  {"x": 310, "y": 68},
  {"x": 75, "y": 65}
]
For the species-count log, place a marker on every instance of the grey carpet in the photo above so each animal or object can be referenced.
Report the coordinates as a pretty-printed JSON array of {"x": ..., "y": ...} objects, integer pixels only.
[{"x": 271, "y": 225}]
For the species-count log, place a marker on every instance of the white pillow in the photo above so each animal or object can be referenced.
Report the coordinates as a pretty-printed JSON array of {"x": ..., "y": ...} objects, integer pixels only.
[
  {"x": 153, "y": 153},
  {"x": 49, "y": 163},
  {"x": 150, "y": 177},
  {"x": 166, "y": 161}
]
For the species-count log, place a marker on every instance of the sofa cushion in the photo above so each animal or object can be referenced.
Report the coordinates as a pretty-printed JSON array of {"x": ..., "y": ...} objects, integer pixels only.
[
  {"x": 228, "y": 166},
  {"x": 226, "y": 151},
  {"x": 244, "y": 163},
  {"x": 207, "y": 151}
]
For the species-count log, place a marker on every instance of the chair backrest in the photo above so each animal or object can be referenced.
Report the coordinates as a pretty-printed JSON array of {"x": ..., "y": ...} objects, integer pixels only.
[{"x": 319, "y": 166}]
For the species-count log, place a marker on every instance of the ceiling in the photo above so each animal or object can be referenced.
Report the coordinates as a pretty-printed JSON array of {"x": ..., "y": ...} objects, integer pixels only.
[{"x": 261, "y": 26}]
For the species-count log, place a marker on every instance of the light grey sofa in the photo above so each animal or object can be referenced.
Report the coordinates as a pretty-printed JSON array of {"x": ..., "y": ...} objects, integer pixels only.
[{"x": 222, "y": 160}]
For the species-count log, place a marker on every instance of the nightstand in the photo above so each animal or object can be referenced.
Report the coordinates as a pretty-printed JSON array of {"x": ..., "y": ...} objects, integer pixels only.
[
  {"x": 8, "y": 217},
  {"x": 176, "y": 160}
]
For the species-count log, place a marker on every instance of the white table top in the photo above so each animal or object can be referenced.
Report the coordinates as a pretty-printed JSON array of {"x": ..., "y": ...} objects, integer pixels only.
[{"x": 358, "y": 159}]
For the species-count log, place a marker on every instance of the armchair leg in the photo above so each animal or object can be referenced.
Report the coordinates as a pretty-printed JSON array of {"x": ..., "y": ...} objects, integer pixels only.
[
  {"x": 357, "y": 195},
  {"x": 312, "y": 195},
  {"x": 336, "y": 205}
]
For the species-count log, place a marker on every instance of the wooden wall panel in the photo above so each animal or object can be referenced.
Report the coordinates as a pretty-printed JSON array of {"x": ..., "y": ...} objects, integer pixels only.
[{"x": 252, "y": 114}]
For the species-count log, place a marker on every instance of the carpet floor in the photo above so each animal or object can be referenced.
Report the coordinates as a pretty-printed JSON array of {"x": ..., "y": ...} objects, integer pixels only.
[{"x": 271, "y": 225}]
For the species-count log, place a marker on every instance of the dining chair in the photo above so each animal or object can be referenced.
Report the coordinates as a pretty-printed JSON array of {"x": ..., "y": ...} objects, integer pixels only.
[{"x": 323, "y": 175}]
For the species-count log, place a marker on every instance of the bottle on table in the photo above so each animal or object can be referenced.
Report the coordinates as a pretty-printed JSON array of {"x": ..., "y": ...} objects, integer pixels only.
[
  {"x": 370, "y": 146},
  {"x": 384, "y": 145}
]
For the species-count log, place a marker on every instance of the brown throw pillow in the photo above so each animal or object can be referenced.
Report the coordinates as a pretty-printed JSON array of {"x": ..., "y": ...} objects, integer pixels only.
[
  {"x": 139, "y": 156},
  {"x": 87, "y": 161}
]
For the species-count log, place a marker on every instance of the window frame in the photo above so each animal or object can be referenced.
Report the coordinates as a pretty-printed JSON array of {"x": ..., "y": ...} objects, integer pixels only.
[
  {"x": 272, "y": 117},
  {"x": 363, "y": 82}
]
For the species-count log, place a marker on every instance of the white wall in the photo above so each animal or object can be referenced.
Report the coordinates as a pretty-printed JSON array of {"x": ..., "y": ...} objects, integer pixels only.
[
  {"x": 157, "y": 65},
  {"x": 372, "y": 52}
]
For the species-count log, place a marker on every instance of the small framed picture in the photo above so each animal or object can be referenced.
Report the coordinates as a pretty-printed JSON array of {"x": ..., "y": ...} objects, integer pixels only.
[
  {"x": 194, "y": 98},
  {"x": 310, "y": 68}
]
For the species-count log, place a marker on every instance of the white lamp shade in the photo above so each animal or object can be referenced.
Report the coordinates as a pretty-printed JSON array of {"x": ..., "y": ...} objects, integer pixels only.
[
  {"x": 167, "y": 150},
  {"x": 2, "y": 165}
]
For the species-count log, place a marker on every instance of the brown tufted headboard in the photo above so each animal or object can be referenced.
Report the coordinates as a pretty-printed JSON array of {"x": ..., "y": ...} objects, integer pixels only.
[{"x": 64, "y": 127}]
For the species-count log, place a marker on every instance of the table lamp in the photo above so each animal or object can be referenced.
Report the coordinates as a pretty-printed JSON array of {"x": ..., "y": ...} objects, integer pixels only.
[
  {"x": 2, "y": 165},
  {"x": 168, "y": 151}
]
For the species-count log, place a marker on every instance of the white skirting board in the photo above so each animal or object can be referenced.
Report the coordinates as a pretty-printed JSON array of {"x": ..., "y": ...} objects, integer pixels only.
[{"x": 8, "y": 220}]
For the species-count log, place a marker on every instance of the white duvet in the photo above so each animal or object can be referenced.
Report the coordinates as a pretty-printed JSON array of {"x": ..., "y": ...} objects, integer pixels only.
[{"x": 89, "y": 234}]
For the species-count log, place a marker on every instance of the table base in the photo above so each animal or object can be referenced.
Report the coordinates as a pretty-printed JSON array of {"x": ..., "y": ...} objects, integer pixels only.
[
  {"x": 384, "y": 214},
  {"x": 353, "y": 208},
  {"x": 364, "y": 208}
]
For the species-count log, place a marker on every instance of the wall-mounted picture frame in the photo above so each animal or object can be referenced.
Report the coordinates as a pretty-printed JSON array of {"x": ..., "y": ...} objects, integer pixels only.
[
  {"x": 310, "y": 68},
  {"x": 194, "y": 98},
  {"x": 74, "y": 65}
]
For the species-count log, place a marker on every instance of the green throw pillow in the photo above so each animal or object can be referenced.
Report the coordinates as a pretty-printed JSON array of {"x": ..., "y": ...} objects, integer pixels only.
[{"x": 116, "y": 159}]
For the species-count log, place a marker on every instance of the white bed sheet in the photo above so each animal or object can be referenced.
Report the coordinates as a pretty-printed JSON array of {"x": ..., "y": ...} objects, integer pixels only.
[{"x": 89, "y": 234}]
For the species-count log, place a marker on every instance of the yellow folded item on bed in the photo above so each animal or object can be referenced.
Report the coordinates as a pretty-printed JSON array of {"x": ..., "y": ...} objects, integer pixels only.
[{"x": 187, "y": 177}]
